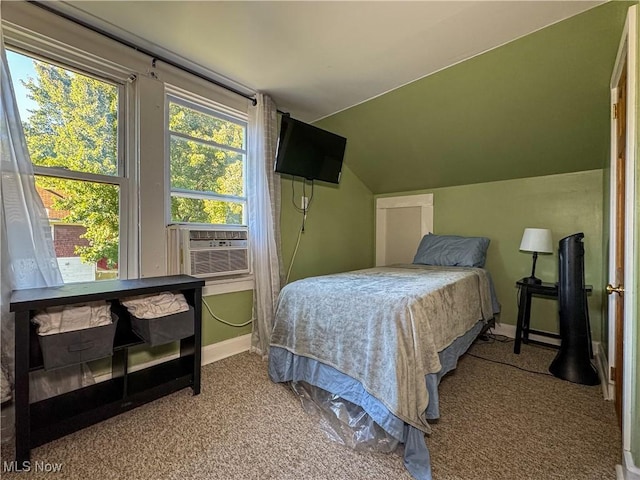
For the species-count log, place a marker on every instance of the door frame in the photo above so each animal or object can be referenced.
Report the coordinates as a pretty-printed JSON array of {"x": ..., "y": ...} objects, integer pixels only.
[{"x": 628, "y": 50}]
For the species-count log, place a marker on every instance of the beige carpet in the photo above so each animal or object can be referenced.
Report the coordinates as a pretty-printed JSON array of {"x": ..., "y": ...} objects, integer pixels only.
[
  {"x": 497, "y": 423},
  {"x": 521, "y": 425}
]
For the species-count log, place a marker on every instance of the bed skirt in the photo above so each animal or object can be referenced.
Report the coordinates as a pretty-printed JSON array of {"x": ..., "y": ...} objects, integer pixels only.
[{"x": 285, "y": 366}]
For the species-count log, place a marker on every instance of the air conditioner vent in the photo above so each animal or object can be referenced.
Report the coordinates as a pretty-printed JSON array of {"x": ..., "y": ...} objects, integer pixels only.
[
  {"x": 208, "y": 252},
  {"x": 205, "y": 262},
  {"x": 218, "y": 234}
]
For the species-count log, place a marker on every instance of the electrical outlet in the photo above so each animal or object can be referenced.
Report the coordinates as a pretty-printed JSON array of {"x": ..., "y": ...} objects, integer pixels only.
[{"x": 305, "y": 203}]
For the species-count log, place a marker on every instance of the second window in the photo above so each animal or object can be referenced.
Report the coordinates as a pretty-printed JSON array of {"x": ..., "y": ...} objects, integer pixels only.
[{"x": 207, "y": 163}]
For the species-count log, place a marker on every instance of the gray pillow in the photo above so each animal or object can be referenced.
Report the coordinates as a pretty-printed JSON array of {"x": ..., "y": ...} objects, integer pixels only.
[{"x": 452, "y": 250}]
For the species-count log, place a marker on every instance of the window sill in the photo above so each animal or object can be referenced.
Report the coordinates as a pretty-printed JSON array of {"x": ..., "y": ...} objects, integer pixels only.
[{"x": 238, "y": 283}]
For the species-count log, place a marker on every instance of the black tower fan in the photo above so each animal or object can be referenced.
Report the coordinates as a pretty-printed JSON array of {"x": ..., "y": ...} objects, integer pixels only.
[{"x": 573, "y": 361}]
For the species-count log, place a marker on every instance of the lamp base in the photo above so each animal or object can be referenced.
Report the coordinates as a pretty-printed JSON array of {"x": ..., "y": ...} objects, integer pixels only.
[{"x": 532, "y": 280}]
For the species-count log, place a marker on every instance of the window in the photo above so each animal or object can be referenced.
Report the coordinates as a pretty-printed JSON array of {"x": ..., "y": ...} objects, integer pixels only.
[
  {"x": 72, "y": 127},
  {"x": 207, "y": 163}
]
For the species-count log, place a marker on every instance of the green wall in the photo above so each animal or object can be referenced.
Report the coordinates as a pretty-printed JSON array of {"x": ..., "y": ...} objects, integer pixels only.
[
  {"x": 565, "y": 203},
  {"x": 536, "y": 106},
  {"x": 338, "y": 232},
  {"x": 234, "y": 308}
]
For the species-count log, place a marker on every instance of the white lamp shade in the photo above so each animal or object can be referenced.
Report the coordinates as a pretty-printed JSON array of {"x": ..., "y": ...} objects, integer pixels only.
[{"x": 537, "y": 240}]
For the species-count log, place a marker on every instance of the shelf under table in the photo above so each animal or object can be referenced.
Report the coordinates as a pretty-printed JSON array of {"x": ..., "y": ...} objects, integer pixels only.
[{"x": 58, "y": 416}]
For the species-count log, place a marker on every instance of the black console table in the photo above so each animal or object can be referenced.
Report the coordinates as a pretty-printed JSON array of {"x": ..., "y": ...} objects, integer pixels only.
[
  {"x": 40, "y": 422},
  {"x": 528, "y": 290}
]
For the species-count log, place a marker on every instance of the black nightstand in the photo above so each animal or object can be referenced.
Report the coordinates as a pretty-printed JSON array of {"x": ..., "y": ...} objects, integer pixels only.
[{"x": 527, "y": 290}]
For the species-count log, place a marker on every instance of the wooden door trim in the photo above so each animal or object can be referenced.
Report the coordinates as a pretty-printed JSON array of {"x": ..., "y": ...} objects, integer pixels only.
[{"x": 613, "y": 208}]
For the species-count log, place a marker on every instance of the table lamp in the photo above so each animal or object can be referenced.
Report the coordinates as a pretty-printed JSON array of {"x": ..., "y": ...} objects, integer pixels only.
[{"x": 536, "y": 240}]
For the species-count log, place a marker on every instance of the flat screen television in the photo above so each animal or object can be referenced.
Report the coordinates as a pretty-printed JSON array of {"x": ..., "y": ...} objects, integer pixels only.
[{"x": 309, "y": 152}]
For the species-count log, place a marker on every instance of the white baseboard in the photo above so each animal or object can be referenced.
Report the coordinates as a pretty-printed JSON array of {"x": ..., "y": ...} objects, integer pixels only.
[
  {"x": 602, "y": 365},
  {"x": 229, "y": 285},
  {"x": 210, "y": 353},
  {"x": 510, "y": 331},
  {"x": 628, "y": 470},
  {"x": 218, "y": 351}
]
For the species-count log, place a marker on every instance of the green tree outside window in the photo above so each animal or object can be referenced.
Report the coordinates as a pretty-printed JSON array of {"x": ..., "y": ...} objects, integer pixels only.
[{"x": 75, "y": 127}]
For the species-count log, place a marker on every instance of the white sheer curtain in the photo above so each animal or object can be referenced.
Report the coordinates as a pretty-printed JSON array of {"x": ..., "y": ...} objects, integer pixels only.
[
  {"x": 28, "y": 258},
  {"x": 264, "y": 219}
]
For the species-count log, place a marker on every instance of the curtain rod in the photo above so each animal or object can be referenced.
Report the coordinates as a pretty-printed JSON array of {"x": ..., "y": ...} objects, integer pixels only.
[{"x": 139, "y": 49}]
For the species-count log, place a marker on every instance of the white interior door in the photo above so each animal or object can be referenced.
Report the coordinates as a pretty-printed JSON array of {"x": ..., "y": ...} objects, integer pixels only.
[
  {"x": 401, "y": 222},
  {"x": 623, "y": 303}
]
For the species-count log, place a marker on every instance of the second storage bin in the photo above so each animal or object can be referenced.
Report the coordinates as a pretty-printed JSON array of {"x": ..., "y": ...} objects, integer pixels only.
[{"x": 161, "y": 330}]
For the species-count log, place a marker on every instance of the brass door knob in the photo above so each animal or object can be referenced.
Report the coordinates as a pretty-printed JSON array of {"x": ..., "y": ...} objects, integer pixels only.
[{"x": 619, "y": 289}]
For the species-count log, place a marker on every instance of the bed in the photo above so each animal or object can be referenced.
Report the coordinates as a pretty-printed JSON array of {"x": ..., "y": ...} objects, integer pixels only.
[{"x": 381, "y": 338}]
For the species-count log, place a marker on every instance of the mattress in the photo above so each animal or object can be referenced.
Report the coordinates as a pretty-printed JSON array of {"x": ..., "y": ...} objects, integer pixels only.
[
  {"x": 383, "y": 326},
  {"x": 381, "y": 338}
]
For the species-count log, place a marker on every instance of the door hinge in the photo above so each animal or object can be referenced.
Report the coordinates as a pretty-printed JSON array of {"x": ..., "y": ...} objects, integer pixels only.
[
  {"x": 615, "y": 111},
  {"x": 612, "y": 371}
]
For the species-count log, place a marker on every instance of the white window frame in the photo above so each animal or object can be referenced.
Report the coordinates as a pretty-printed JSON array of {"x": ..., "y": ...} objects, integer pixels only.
[
  {"x": 213, "y": 109},
  {"x": 123, "y": 177}
]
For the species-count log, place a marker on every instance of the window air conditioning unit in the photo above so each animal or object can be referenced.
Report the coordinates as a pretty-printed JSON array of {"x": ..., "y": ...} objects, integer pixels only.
[{"x": 207, "y": 251}]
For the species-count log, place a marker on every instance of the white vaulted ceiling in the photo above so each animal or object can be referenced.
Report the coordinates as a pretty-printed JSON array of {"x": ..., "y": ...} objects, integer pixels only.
[{"x": 318, "y": 58}]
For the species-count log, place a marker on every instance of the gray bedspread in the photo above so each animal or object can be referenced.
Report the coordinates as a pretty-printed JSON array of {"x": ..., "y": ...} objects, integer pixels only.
[{"x": 383, "y": 326}]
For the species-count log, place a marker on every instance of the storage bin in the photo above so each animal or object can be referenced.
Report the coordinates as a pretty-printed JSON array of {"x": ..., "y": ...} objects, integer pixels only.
[
  {"x": 161, "y": 330},
  {"x": 79, "y": 346}
]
